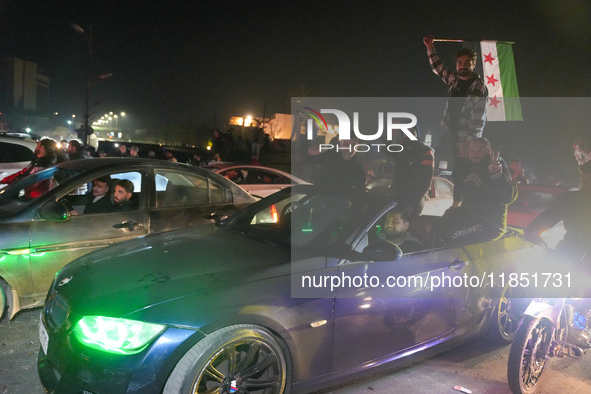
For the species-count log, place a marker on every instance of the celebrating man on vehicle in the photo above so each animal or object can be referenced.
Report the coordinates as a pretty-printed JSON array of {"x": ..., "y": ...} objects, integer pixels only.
[
  {"x": 482, "y": 191},
  {"x": 465, "y": 112}
]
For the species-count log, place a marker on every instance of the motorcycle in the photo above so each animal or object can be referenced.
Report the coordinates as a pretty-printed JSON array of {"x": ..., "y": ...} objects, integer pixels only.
[{"x": 551, "y": 327}]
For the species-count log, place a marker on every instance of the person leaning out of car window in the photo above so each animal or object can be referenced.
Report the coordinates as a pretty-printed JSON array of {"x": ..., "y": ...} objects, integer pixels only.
[
  {"x": 45, "y": 157},
  {"x": 99, "y": 200},
  {"x": 122, "y": 193}
]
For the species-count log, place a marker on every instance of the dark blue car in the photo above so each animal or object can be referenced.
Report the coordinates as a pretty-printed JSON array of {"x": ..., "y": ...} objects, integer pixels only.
[{"x": 295, "y": 292}]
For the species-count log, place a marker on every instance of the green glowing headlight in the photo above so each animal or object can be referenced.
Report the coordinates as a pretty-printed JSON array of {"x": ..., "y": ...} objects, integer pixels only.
[{"x": 114, "y": 335}]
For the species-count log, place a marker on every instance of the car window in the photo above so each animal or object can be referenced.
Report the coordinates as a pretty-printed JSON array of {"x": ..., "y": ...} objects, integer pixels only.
[
  {"x": 20, "y": 194},
  {"x": 179, "y": 188},
  {"x": 256, "y": 176},
  {"x": 11, "y": 153},
  {"x": 78, "y": 197},
  {"x": 298, "y": 219},
  {"x": 236, "y": 175}
]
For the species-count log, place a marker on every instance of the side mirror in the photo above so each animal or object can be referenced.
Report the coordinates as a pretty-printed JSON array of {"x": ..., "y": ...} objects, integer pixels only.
[
  {"x": 55, "y": 212},
  {"x": 380, "y": 250}
]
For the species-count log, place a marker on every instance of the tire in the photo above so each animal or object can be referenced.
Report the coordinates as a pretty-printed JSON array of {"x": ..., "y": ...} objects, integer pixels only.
[
  {"x": 528, "y": 354},
  {"x": 5, "y": 300},
  {"x": 506, "y": 317},
  {"x": 253, "y": 352}
]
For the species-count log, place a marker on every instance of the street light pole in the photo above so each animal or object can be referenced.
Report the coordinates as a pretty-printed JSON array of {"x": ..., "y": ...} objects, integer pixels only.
[
  {"x": 88, "y": 36},
  {"x": 88, "y": 82}
]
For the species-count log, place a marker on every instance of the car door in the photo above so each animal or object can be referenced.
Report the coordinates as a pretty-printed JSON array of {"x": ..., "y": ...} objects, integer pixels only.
[
  {"x": 183, "y": 198},
  {"x": 395, "y": 306},
  {"x": 54, "y": 244}
]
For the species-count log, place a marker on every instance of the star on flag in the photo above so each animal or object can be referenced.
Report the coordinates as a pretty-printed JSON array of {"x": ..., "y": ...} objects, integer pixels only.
[
  {"x": 489, "y": 58},
  {"x": 491, "y": 79},
  {"x": 494, "y": 101}
]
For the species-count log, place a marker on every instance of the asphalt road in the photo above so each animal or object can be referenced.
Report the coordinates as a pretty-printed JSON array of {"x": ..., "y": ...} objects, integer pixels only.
[{"x": 478, "y": 366}]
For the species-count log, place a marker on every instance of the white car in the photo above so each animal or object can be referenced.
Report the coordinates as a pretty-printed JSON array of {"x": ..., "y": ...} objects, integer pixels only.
[
  {"x": 439, "y": 198},
  {"x": 15, "y": 154},
  {"x": 259, "y": 181}
]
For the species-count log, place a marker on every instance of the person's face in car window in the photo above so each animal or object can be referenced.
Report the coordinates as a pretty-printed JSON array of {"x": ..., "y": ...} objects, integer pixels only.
[
  {"x": 120, "y": 195},
  {"x": 99, "y": 188}
]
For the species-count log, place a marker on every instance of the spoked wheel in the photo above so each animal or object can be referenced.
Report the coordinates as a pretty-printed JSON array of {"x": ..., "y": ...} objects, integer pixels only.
[
  {"x": 528, "y": 355},
  {"x": 506, "y": 317},
  {"x": 235, "y": 359}
]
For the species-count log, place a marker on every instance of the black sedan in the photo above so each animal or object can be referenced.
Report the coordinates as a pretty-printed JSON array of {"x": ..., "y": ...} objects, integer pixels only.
[
  {"x": 39, "y": 235},
  {"x": 295, "y": 292}
]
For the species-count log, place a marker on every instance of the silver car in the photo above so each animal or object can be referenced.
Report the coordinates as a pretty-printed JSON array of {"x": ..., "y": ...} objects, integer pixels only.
[{"x": 39, "y": 235}]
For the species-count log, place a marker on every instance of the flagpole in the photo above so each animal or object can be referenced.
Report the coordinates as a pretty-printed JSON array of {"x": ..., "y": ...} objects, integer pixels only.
[
  {"x": 446, "y": 40},
  {"x": 478, "y": 40}
]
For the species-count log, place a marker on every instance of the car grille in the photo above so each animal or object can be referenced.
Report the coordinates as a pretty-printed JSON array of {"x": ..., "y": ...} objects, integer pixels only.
[{"x": 57, "y": 311}]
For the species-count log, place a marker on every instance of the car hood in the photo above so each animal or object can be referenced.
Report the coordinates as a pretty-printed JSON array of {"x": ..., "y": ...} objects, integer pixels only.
[{"x": 124, "y": 278}]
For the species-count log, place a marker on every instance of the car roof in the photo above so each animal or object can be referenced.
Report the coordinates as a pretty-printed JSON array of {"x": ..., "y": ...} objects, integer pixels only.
[{"x": 30, "y": 143}]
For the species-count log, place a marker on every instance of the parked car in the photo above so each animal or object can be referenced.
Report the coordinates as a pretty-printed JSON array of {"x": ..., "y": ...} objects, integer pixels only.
[
  {"x": 259, "y": 181},
  {"x": 246, "y": 305},
  {"x": 15, "y": 154},
  {"x": 38, "y": 236},
  {"x": 439, "y": 197},
  {"x": 532, "y": 200}
]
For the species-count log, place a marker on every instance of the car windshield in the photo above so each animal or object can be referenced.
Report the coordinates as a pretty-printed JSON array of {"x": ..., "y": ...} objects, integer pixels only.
[
  {"x": 19, "y": 195},
  {"x": 296, "y": 219}
]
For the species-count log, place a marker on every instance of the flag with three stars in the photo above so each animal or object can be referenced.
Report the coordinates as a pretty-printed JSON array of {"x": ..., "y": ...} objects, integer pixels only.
[{"x": 500, "y": 79}]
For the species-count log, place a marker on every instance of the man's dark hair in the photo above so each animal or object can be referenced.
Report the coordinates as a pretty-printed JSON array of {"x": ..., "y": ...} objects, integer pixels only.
[
  {"x": 126, "y": 184},
  {"x": 49, "y": 144},
  {"x": 403, "y": 213},
  {"x": 466, "y": 52},
  {"x": 483, "y": 141},
  {"x": 515, "y": 160},
  {"x": 76, "y": 144},
  {"x": 104, "y": 179}
]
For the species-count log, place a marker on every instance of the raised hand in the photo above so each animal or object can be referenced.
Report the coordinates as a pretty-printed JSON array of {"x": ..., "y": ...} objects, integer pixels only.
[
  {"x": 428, "y": 41},
  {"x": 495, "y": 166}
]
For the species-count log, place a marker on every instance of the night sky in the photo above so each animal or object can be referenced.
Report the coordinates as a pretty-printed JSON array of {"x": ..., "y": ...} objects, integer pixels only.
[{"x": 188, "y": 62}]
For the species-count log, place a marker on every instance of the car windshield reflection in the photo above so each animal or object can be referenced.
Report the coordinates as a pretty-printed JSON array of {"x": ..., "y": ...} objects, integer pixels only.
[
  {"x": 19, "y": 195},
  {"x": 299, "y": 219}
]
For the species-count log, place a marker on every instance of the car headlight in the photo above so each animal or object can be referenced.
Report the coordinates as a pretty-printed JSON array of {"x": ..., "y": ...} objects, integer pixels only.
[{"x": 115, "y": 335}]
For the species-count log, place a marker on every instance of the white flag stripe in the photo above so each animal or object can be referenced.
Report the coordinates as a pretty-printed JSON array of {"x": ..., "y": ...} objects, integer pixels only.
[{"x": 492, "y": 72}]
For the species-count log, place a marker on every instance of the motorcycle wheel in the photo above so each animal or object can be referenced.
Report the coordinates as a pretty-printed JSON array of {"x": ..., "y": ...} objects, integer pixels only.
[{"x": 527, "y": 357}]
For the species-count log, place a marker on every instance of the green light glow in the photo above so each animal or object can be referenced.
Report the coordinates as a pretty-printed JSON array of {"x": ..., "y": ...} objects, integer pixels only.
[
  {"x": 307, "y": 230},
  {"x": 114, "y": 335},
  {"x": 18, "y": 252}
]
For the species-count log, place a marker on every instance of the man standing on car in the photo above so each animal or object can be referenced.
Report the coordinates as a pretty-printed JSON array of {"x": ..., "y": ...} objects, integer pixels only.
[
  {"x": 482, "y": 191},
  {"x": 465, "y": 111},
  {"x": 574, "y": 209}
]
